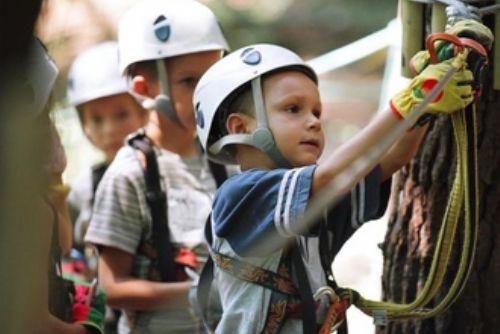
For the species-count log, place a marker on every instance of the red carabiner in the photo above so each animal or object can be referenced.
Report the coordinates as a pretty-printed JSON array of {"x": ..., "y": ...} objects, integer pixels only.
[
  {"x": 475, "y": 46},
  {"x": 442, "y": 36}
]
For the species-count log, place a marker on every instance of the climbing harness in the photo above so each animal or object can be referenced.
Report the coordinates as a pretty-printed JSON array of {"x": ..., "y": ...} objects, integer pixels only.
[
  {"x": 156, "y": 199},
  {"x": 169, "y": 265},
  {"x": 287, "y": 299}
]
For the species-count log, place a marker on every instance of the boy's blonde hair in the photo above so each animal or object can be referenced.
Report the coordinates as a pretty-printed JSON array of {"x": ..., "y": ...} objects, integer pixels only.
[{"x": 241, "y": 101}]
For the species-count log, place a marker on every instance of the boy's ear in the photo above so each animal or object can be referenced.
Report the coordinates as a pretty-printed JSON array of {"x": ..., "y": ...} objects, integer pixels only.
[
  {"x": 237, "y": 123},
  {"x": 139, "y": 85}
]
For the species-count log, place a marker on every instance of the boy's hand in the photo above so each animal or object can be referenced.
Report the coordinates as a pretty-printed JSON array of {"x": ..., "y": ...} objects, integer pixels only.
[
  {"x": 474, "y": 30},
  {"x": 464, "y": 28},
  {"x": 456, "y": 95},
  {"x": 89, "y": 306}
]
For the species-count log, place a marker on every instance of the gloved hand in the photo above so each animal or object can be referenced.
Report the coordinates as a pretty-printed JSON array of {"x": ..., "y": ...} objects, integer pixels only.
[
  {"x": 89, "y": 306},
  {"x": 474, "y": 30},
  {"x": 464, "y": 28},
  {"x": 456, "y": 94},
  {"x": 422, "y": 59}
]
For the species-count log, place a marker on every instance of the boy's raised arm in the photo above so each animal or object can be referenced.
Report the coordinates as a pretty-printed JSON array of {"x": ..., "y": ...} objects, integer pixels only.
[{"x": 456, "y": 95}]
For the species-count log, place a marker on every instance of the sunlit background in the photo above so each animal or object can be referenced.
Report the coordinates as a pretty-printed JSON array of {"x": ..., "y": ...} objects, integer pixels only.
[{"x": 351, "y": 94}]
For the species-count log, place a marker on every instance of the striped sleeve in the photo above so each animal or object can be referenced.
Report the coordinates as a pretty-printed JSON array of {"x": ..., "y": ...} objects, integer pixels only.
[
  {"x": 119, "y": 210},
  {"x": 256, "y": 211},
  {"x": 293, "y": 197}
]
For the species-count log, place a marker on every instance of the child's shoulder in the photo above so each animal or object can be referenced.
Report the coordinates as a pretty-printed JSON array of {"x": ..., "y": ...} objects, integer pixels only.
[
  {"x": 251, "y": 180},
  {"x": 256, "y": 175},
  {"x": 125, "y": 163},
  {"x": 259, "y": 183}
]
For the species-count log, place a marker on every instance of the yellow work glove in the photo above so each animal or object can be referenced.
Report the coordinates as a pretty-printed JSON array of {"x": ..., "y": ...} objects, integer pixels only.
[
  {"x": 464, "y": 28},
  {"x": 419, "y": 62},
  {"x": 474, "y": 30},
  {"x": 456, "y": 94}
]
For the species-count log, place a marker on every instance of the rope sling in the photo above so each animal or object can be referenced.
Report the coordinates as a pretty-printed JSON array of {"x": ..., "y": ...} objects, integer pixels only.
[{"x": 463, "y": 197}]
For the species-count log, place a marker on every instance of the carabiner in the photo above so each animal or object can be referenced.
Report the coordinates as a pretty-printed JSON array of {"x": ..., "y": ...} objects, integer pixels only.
[
  {"x": 430, "y": 43},
  {"x": 477, "y": 59},
  {"x": 326, "y": 290},
  {"x": 336, "y": 311}
]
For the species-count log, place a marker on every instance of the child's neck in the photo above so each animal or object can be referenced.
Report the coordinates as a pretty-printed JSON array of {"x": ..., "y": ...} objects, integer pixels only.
[
  {"x": 172, "y": 138},
  {"x": 250, "y": 158}
]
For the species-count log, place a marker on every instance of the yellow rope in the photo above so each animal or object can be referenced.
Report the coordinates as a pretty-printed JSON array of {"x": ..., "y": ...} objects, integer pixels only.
[{"x": 459, "y": 197}]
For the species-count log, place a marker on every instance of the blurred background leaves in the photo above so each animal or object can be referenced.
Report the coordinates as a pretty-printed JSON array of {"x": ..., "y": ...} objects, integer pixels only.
[{"x": 310, "y": 27}]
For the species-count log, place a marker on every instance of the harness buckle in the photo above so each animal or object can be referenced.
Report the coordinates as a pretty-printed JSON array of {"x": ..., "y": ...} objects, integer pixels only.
[
  {"x": 380, "y": 317},
  {"x": 328, "y": 291},
  {"x": 335, "y": 315}
]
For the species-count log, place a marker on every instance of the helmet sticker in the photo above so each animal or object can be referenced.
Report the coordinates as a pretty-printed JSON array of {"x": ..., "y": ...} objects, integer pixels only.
[
  {"x": 161, "y": 28},
  {"x": 251, "y": 56},
  {"x": 200, "y": 120}
]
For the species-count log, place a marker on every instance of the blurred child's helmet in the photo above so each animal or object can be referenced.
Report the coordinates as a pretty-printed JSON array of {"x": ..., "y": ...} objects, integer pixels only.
[
  {"x": 155, "y": 29},
  {"x": 243, "y": 66},
  {"x": 94, "y": 74},
  {"x": 40, "y": 76}
]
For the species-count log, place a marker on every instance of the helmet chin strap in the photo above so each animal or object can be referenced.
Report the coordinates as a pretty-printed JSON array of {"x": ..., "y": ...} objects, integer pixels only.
[
  {"x": 261, "y": 138},
  {"x": 162, "y": 101}
]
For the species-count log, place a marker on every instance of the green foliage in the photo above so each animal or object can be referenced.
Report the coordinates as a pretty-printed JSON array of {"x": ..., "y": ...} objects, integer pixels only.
[{"x": 308, "y": 27}]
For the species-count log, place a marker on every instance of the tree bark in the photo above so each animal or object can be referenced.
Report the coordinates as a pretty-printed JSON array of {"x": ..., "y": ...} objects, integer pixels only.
[{"x": 420, "y": 195}]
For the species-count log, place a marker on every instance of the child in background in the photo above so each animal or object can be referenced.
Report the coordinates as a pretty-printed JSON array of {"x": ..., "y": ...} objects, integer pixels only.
[
  {"x": 164, "y": 48},
  {"x": 259, "y": 107},
  {"x": 107, "y": 113}
]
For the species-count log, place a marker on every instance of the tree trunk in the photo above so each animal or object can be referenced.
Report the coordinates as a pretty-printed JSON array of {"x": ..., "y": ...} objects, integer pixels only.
[{"x": 420, "y": 196}]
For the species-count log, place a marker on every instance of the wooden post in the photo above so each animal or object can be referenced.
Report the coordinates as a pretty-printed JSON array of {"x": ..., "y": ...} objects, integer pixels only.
[
  {"x": 438, "y": 19},
  {"x": 496, "y": 52},
  {"x": 412, "y": 18}
]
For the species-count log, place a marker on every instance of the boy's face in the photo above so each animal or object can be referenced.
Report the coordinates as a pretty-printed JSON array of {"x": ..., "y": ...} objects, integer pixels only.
[
  {"x": 184, "y": 72},
  {"x": 293, "y": 109},
  {"x": 108, "y": 120}
]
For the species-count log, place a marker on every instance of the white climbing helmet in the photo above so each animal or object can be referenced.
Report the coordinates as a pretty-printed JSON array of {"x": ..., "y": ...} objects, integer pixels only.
[
  {"x": 243, "y": 66},
  {"x": 39, "y": 76},
  {"x": 95, "y": 74},
  {"x": 154, "y": 29}
]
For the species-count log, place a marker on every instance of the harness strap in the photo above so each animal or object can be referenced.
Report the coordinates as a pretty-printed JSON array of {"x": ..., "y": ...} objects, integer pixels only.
[
  {"x": 156, "y": 199},
  {"x": 335, "y": 313},
  {"x": 309, "y": 323},
  {"x": 205, "y": 281},
  {"x": 279, "y": 282},
  {"x": 97, "y": 174}
]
